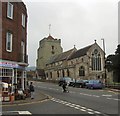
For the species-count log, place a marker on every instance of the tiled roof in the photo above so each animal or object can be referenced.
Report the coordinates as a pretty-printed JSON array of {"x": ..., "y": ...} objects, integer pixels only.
[
  {"x": 61, "y": 57},
  {"x": 80, "y": 52}
]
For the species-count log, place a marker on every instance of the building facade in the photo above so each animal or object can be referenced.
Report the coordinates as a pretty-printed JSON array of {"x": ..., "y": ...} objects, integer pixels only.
[
  {"x": 85, "y": 63},
  {"x": 48, "y": 47},
  {"x": 13, "y": 48}
]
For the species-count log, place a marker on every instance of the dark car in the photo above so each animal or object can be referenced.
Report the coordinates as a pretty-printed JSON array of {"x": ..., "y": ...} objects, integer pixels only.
[
  {"x": 94, "y": 84},
  {"x": 80, "y": 83},
  {"x": 69, "y": 81}
]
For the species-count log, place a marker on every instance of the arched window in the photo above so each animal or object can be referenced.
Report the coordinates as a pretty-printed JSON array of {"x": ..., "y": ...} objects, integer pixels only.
[
  {"x": 96, "y": 60},
  {"x": 63, "y": 73},
  {"x": 68, "y": 73},
  {"x": 51, "y": 75},
  {"x": 81, "y": 71},
  {"x": 58, "y": 73}
]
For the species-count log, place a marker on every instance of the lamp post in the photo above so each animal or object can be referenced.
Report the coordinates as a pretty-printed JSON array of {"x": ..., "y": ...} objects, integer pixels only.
[{"x": 104, "y": 60}]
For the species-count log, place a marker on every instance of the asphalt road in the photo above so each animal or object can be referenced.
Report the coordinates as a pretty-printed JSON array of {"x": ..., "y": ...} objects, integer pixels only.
[{"x": 77, "y": 101}]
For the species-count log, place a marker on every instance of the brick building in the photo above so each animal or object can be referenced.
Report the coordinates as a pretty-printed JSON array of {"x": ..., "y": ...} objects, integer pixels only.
[{"x": 13, "y": 44}]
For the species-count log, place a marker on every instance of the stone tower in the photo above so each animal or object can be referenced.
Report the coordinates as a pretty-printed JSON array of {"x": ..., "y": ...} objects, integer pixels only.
[{"x": 48, "y": 47}]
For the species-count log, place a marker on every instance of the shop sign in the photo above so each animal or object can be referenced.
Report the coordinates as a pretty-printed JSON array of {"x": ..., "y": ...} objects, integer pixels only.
[{"x": 8, "y": 64}]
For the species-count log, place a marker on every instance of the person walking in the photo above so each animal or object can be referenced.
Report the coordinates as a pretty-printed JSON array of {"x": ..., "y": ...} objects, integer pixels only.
[
  {"x": 64, "y": 86},
  {"x": 32, "y": 90}
]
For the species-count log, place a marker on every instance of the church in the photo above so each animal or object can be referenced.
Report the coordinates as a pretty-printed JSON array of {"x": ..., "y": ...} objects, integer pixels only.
[{"x": 85, "y": 63}]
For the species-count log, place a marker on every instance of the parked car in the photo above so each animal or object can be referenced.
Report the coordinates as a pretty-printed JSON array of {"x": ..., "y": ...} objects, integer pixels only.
[
  {"x": 69, "y": 81},
  {"x": 94, "y": 84},
  {"x": 80, "y": 83}
]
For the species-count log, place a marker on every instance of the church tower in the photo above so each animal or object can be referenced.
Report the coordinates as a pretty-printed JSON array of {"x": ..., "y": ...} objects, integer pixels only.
[{"x": 48, "y": 47}]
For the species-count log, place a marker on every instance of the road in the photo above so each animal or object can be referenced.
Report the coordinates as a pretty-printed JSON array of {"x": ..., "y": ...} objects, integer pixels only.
[{"x": 77, "y": 101}]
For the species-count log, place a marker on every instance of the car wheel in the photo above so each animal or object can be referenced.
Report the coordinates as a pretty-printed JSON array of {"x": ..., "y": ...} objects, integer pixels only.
[
  {"x": 91, "y": 87},
  {"x": 80, "y": 86}
]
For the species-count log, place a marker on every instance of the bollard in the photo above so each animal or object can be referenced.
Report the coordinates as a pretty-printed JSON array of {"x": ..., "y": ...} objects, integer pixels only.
[{"x": 12, "y": 98}]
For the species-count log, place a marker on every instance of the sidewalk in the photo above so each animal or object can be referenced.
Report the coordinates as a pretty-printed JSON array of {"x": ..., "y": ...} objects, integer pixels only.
[{"x": 39, "y": 96}]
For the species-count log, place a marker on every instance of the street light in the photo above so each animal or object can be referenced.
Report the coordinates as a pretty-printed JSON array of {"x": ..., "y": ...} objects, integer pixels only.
[{"x": 104, "y": 59}]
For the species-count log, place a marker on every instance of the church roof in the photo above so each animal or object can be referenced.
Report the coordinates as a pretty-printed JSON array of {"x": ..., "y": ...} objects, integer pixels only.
[
  {"x": 80, "y": 52},
  {"x": 61, "y": 57}
]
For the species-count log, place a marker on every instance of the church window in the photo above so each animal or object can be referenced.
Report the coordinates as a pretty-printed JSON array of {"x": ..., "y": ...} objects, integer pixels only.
[
  {"x": 96, "y": 60},
  {"x": 68, "y": 73},
  {"x": 52, "y": 49},
  {"x": 63, "y": 73},
  {"x": 81, "y": 71},
  {"x": 57, "y": 73},
  {"x": 51, "y": 75}
]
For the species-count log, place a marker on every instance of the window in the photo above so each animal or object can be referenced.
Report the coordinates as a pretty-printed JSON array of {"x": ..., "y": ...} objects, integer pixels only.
[
  {"x": 6, "y": 72},
  {"x": 23, "y": 20},
  {"x": 10, "y": 10},
  {"x": 52, "y": 49},
  {"x": 23, "y": 50},
  {"x": 68, "y": 73},
  {"x": 81, "y": 71},
  {"x": 96, "y": 60},
  {"x": 57, "y": 73},
  {"x": 9, "y": 41},
  {"x": 63, "y": 73}
]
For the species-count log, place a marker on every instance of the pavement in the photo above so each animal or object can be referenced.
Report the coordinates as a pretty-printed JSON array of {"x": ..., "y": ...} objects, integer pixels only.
[{"x": 38, "y": 97}]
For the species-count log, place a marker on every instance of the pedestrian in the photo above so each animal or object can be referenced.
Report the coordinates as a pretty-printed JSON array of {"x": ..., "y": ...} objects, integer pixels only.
[
  {"x": 31, "y": 90},
  {"x": 64, "y": 86}
]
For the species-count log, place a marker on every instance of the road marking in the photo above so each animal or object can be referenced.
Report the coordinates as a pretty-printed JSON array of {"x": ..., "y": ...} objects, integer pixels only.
[
  {"x": 95, "y": 96},
  {"x": 17, "y": 112},
  {"x": 83, "y": 110},
  {"x": 90, "y": 113},
  {"x": 89, "y": 95},
  {"x": 89, "y": 109},
  {"x": 97, "y": 112},
  {"x": 24, "y": 112},
  {"x": 76, "y": 106},
  {"x": 107, "y": 95},
  {"x": 113, "y": 99}
]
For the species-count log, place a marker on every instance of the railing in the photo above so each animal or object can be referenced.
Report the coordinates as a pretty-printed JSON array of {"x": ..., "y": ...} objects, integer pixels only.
[{"x": 113, "y": 86}]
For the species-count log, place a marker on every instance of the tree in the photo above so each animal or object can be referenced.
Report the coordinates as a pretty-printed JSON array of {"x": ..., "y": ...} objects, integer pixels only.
[{"x": 113, "y": 64}]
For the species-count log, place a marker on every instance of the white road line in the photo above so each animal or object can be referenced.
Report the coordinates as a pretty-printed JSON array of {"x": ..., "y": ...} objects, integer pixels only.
[
  {"x": 107, "y": 95},
  {"x": 19, "y": 112},
  {"x": 89, "y": 95},
  {"x": 113, "y": 99},
  {"x": 83, "y": 110},
  {"x": 76, "y": 106},
  {"x": 83, "y": 107},
  {"x": 89, "y": 109},
  {"x": 90, "y": 113},
  {"x": 97, "y": 112},
  {"x": 95, "y": 96},
  {"x": 24, "y": 112}
]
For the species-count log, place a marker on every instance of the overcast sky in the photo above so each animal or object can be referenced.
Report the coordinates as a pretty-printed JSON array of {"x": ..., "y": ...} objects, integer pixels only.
[{"x": 75, "y": 22}]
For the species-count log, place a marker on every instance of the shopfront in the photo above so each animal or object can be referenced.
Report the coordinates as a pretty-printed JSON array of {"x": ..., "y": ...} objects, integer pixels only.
[{"x": 14, "y": 74}]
